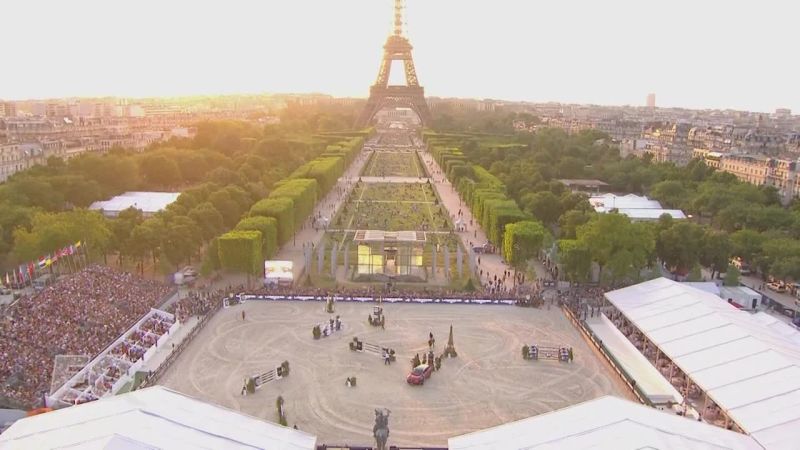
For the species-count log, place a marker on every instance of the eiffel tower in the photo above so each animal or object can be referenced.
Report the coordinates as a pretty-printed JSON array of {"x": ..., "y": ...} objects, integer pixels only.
[{"x": 381, "y": 94}]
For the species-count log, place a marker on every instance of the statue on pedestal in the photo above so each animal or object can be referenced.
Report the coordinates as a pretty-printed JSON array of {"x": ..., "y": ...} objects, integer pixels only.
[{"x": 381, "y": 428}]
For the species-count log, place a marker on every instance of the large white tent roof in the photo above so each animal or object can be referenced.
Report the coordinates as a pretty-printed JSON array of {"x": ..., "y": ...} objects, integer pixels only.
[
  {"x": 150, "y": 418},
  {"x": 749, "y": 367},
  {"x": 648, "y": 379},
  {"x": 147, "y": 202},
  {"x": 605, "y": 202},
  {"x": 604, "y": 423}
]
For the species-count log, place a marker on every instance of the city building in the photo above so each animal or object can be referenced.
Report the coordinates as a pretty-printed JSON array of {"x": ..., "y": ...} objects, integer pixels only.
[
  {"x": 18, "y": 157},
  {"x": 651, "y": 101}
]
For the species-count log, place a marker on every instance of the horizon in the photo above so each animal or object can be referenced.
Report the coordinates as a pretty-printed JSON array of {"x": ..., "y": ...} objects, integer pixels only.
[{"x": 526, "y": 52}]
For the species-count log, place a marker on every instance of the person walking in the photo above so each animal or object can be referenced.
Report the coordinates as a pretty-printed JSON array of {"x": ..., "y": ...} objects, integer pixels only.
[{"x": 242, "y": 315}]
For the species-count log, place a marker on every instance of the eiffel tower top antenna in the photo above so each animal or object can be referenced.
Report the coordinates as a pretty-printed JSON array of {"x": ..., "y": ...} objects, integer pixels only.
[{"x": 398, "y": 17}]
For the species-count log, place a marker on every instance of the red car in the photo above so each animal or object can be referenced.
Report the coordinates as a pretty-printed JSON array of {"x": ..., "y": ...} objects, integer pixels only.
[{"x": 419, "y": 373}]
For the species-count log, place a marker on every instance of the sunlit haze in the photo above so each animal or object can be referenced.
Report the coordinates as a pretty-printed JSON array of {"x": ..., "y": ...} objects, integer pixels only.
[{"x": 709, "y": 54}]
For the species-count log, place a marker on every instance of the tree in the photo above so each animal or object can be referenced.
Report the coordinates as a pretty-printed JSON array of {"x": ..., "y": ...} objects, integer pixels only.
[
  {"x": 523, "y": 241},
  {"x": 679, "y": 246},
  {"x": 731, "y": 276},
  {"x": 180, "y": 239},
  {"x": 159, "y": 171},
  {"x": 715, "y": 251},
  {"x": 612, "y": 240},
  {"x": 208, "y": 218},
  {"x": 52, "y": 231},
  {"x": 575, "y": 260},
  {"x": 671, "y": 193},
  {"x": 747, "y": 244},
  {"x": 145, "y": 238},
  {"x": 122, "y": 227},
  {"x": 571, "y": 220},
  {"x": 545, "y": 206}
]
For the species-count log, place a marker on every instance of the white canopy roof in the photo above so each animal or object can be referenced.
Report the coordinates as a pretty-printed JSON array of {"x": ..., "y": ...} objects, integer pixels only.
[
  {"x": 651, "y": 213},
  {"x": 154, "y": 417},
  {"x": 147, "y": 202},
  {"x": 633, "y": 362},
  {"x": 749, "y": 368},
  {"x": 604, "y": 423},
  {"x": 605, "y": 202}
]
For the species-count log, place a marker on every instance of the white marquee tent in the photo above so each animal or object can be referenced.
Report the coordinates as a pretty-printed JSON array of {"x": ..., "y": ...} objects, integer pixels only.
[
  {"x": 749, "y": 367},
  {"x": 648, "y": 379},
  {"x": 151, "y": 418},
  {"x": 147, "y": 202},
  {"x": 604, "y": 423}
]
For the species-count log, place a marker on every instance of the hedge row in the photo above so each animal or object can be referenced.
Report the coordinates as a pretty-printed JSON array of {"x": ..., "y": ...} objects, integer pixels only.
[
  {"x": 523, "y": 240},
  {"x": 302, "y": 191},
  {"x": 240, "y": 251},
  {"x": 483, "y": 192},
  {"x": 268, "y": 227},
  {"x": 282, "y": 210},
  {"x": 293, "y": 198}
]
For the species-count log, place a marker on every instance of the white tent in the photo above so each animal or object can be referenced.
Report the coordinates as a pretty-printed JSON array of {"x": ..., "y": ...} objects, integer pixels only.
[
  {"x": 604, "y": 423},
  {"x": 147, "y": 202},
  {"x": 151, "y": 418},
  {"x": 748, "y": 367},
  {"x": 648, "y": 379}
]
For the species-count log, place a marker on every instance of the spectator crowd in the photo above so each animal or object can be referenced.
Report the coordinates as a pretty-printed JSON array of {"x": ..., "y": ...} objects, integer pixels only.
[{"x": 79, "y": 314}]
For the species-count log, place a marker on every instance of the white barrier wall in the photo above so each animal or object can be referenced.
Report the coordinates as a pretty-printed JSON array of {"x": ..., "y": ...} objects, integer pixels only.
[{"x": 59, "y": 397}]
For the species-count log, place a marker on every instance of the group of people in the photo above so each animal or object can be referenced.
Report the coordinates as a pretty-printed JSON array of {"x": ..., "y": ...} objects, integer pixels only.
[
  {"x": 80, "y": 314},
  {"x": 196, "y": 303}
]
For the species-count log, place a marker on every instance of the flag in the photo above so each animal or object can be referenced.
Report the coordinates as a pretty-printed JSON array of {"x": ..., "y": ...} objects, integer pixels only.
[
  {"x": 8, "y": 280},
  {"x": 42, "y": 262},
  {"x": 31, "y": 269},
  {"x": 55, "y": 257},
  {"x": 78, "y": 244}
]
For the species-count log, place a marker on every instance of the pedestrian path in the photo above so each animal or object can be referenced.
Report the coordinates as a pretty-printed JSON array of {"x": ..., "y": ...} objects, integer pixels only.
[
  {"x": 307, "y": 235},
  {"x": 491, "y": 264},
  {"x": 393, "y": 179}
]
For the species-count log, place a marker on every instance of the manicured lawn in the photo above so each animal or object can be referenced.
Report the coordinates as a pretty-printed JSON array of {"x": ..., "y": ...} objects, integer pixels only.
[{"x": 394, "y": 164}]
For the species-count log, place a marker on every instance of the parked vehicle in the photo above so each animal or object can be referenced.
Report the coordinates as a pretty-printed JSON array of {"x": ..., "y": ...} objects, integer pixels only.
[
  {"x": 777, "y": 286},
  {"x": 743, "y": 267},
  {"x": 419, "y": 374}
]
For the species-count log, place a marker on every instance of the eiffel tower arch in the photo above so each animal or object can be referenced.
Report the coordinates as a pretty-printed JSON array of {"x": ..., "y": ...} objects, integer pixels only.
[{"x": 383, "y": 95}]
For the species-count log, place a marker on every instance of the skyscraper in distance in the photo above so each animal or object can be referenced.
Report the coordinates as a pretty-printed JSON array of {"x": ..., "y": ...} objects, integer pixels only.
[{"x": 651, "y": 100}]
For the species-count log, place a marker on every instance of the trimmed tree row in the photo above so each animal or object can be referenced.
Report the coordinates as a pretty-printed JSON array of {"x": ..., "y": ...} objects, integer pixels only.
[{"x": 272, "y": 221}]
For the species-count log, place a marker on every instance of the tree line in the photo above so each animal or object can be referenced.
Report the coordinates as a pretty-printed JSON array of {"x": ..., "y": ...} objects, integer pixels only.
[
  {"x": 226, "y": 168},
  {"x": 730, "y": 218}
]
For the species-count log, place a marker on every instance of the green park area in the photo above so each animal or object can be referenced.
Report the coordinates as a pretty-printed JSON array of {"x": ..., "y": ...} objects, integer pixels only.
[
  {"x": 394, "y": 164},
  {"x": 393, "y": 207}
]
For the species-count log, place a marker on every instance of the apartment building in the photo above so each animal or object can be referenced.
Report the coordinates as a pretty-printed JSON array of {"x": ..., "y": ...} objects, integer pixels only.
[{"x": 17, "y": 157}]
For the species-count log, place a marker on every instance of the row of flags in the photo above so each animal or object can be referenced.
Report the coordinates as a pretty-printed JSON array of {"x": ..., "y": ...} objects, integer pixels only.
[{"x": 26, "y": 273}]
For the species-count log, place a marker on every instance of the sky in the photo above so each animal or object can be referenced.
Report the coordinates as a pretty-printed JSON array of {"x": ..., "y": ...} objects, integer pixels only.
[{"x": 691, "y": 53}]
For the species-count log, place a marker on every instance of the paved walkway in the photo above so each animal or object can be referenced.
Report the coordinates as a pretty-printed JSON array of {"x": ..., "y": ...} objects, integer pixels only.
[
  {"x": 394, "y": 179},
  {"x": 490, "y": 264},
  {"x": 293, "y": 251}
]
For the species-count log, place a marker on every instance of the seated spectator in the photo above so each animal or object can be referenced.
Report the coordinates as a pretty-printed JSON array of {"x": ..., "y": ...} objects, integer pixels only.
[{"x": 78, "y": 315}]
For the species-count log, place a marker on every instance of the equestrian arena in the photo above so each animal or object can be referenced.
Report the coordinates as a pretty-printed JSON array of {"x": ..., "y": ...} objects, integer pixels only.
[{"x": 487, "y": 384}]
